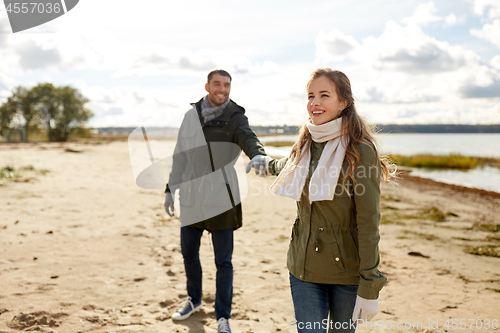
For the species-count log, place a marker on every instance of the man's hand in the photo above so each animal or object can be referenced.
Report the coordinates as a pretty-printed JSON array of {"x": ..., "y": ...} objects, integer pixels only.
[
  {"x": 168, "y": 203},
  {"x": 260, "y": 164},
  {"x": 365, "y": 309}
]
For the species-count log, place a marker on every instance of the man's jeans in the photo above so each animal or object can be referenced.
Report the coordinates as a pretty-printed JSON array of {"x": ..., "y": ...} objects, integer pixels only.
[
  {"x": 222, "y": 241},
  {"x": 321, "y": 306}
]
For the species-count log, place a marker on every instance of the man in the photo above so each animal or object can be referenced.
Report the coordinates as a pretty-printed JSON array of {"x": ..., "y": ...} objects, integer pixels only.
[{"x": 209, "y": 195}]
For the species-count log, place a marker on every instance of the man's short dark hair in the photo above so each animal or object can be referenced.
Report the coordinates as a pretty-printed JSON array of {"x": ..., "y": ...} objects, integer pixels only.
[{"x": 220, "y": 72}]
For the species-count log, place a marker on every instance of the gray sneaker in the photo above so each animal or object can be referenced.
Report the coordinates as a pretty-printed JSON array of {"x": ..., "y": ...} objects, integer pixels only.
[
  {"x": 223, "y": 326},
  {"x": 186, "y": 310}
]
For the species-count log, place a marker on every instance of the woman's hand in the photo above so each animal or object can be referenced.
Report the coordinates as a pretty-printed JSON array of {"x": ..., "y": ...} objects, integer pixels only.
[{"x": 365, "y": 309}]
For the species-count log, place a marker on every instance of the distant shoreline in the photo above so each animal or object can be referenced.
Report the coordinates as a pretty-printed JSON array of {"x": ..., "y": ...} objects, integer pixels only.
[
  {"x": 392, "y": 129},
  {"x": 438, "y": 128},
  {"x": 292, "y": 129}
]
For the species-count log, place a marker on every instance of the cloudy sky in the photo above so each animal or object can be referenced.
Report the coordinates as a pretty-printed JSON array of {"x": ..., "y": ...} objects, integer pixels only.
[{"x": 143, "y": 62}]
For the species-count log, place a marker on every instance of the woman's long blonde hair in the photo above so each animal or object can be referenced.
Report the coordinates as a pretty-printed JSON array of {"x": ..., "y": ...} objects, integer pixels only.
[{"x": 354, "y": 128}]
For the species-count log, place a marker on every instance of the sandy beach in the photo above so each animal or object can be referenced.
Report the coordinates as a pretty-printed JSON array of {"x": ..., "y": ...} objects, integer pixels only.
[{"x": 83, "y": 249}]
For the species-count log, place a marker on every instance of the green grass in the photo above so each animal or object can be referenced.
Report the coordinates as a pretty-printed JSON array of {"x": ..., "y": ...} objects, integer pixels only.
[
  {"x": 491, "y": 227},
  {"x": 452, "y": 161},
  {"x": 463, "y": 278},
  {"x": 389, "y": 198},
  {"x": 493, "y": 238},
  {"x": 42, "y": 172},
  {"x": 388, "y": 207},
  {"x": 428, "y": 237},
  {"x": 392, "y": 215},
  {"x": 19, "y": 175},
  {"x": 282, "y": 238},
  {"x": 433, "y": 214},
  {"x": 390, "y": 219},
  {"x": 463, "y": 239},
  {"x": 493, "y": 289},
  {"x": 27, "y": 168},
  {"x": 8, "y": 172},
  {"x": 486, "y": 250}
]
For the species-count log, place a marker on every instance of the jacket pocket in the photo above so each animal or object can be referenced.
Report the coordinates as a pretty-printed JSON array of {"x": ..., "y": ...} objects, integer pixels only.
[
  {"x": 337, "y": 258},
  {"x": 323, "y": 257},
  {"x": 294, "y": 229},
  {"x": 349, "y": 251},
  {"x": 219, "y": 134},
  {"x": 330, "y": 239}
]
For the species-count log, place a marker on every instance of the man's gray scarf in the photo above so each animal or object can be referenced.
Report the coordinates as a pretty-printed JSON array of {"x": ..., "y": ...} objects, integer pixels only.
[{"x": 208, "y": 112}]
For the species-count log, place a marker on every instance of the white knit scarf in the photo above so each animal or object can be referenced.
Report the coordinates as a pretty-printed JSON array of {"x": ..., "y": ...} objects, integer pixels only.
[{"x": 326, "y": 175}]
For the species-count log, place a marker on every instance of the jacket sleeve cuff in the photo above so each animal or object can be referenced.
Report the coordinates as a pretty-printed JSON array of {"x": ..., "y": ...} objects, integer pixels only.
[
  {"x": 368, "y": 292},
  {"x": 272, "y": 167},
  {"x": 275, "y": 166}
]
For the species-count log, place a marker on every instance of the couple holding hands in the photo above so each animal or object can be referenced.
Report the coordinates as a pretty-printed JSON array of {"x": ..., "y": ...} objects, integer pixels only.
[{"x": 333, "y": 173}]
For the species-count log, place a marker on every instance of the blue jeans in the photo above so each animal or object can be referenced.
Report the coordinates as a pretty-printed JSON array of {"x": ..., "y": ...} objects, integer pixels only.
[
  {"x": 222, "y": 241},
  {"x": 319, "y": 307}
]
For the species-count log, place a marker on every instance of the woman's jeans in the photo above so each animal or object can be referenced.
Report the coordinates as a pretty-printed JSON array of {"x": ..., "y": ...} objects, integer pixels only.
[
  {"x": 321, "y": 308},
  {"x": 222, "y": 241}
]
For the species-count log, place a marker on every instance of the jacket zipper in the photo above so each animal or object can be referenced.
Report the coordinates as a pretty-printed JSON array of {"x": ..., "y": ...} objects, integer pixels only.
[{"x": 203, "y": 124}]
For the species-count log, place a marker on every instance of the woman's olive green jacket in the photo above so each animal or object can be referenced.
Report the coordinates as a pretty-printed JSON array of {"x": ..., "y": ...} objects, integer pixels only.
[{"x": 336, "y": 241}]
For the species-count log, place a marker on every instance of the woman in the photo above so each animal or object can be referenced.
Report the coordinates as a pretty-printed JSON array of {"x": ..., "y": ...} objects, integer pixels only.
[{"x": 333, "y": 173}]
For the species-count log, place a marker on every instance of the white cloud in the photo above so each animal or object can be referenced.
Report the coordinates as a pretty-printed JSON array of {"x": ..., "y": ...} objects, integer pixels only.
[
  {"x": 423, "y": 14},
  {"x": 134, "y": 105},
  {"x": 409, "y": 49},
  {"x": 162, "y": 58},
  {"x": 491, "y": 6},
  {"x": 475, "y": 91},
  {"x": 481, "y": 81},
  {"x": 156, "y": 59},
  {"x": 495, "y": 62},
  {"x": 451, "y": 19},
  {"x": 33, "y": 56},
  {"x": 267, "y": 67},
  {"x": 489, "y": 115},
  {"x": 432, "y": 113},
  {"x": 489, "y": 32},
  {"x": 334, "y": 45},
  {"x": 7, "y": 84},
  {"x": 387, "y": 92},
  {"x": 4, "y": 26},
  {"x": 23, "y": 53}
]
